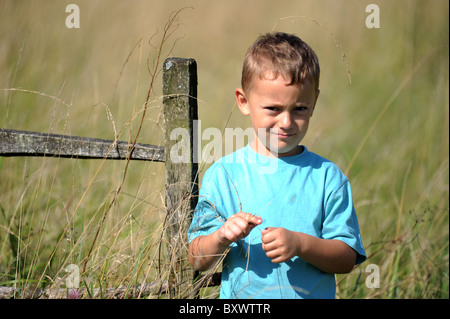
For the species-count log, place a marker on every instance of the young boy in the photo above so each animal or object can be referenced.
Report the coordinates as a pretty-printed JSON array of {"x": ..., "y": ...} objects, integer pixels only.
[{"x": 283, "y": 233}]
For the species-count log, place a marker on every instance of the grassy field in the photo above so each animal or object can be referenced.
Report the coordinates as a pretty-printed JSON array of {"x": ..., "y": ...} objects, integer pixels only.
[{"x": 382, "y": 116}]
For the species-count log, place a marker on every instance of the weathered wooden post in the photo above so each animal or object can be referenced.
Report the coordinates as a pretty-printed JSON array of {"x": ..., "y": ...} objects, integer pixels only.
[{"x": 180, "y": 111}]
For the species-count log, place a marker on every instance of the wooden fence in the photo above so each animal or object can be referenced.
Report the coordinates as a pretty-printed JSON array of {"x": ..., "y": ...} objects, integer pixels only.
[{"x": 180, "y": 111}]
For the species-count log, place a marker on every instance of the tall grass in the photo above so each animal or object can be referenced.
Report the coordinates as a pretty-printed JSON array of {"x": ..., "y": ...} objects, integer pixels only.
[
  {"x": 108, "y": 222},
  {"x": 387, "y": 129}
]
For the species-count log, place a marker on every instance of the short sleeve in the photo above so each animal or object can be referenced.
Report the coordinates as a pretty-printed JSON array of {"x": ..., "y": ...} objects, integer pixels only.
[
  {"x": 207, "y": 216},
  {"x": 206, "y": 220},
  {"x": 340, "y": 221}
]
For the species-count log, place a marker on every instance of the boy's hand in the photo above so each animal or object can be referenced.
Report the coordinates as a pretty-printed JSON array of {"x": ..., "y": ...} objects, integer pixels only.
[
  {"x": 279, "y": 244},
  {"x": 238, "y": 226}
]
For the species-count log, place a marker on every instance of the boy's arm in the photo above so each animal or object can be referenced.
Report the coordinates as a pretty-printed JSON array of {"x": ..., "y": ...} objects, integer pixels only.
[
  {"x": 205, "y": 250},
  {"x": 329, "y": 255}
]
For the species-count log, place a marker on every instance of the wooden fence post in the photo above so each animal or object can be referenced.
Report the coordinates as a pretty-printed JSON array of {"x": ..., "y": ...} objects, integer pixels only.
[{"x": 180, "y": 113}]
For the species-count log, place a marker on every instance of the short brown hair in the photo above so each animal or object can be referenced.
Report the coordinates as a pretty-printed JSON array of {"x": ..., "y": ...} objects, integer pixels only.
[{"x": 280, "y": 54}]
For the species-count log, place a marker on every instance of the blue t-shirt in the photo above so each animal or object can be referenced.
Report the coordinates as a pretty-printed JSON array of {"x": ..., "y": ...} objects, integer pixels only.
[{"x": 304, "y": 193}]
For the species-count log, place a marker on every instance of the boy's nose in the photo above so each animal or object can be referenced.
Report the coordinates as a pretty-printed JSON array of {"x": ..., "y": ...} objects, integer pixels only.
[{"x": 285, "y": 120}]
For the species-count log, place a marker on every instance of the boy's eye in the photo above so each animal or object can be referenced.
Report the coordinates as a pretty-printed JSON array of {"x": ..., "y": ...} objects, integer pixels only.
[
  {"x": 298, "y": 109},
  {"x": 271, "y": 108},
  {"x": 301, "y": 109}
]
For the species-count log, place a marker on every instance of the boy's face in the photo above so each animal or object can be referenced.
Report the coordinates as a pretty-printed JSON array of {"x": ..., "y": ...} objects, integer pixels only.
[{"x": 279, "y": 113}]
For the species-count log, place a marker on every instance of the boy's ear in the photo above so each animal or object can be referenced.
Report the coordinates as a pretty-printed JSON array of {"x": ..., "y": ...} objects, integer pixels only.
[
  {"x": 315, "y": 101},
  {"x": 242, "y": 101}
]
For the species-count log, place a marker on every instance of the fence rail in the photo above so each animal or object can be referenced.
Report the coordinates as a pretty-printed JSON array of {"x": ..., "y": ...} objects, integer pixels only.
[{"x": 24, "y": 143}]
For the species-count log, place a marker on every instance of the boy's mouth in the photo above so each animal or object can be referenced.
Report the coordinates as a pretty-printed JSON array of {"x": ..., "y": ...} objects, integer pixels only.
[{"x": 282, "y": 135}]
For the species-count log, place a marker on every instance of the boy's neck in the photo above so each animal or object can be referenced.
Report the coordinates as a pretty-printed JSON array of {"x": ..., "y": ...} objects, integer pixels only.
[{"x": 261, "y": 149}]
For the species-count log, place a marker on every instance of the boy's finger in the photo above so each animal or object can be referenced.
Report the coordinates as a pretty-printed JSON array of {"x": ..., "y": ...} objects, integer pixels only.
[
  {"x": 249, "y": 218},
  {"x": 256, "y": 220},
  {"x": 252, "y": 219},
  {"x": 266, "y": 239},
  {"x": 267, "y": 230}
]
